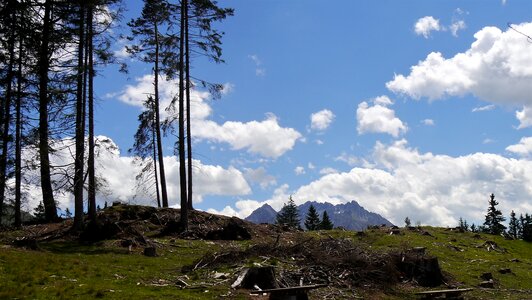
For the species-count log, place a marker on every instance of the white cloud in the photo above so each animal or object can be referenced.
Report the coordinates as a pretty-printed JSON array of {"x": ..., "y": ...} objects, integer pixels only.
[
  {"x": 428, "y": 122},
  {"x": 525, "y": 117},
  {"x": 321, "y": 120},
  {"x": 119, "y": 174},
  {"x": 424, "y": 26},
  {"x": 259, "y": 70},
  {"x": 299, "y": 170},
  {"x": 228, "y": 88},
  {"x": 311, "y": 166},
  {"x": 260, "y": 176},
  {"x": 497, "y": 68},
  {"x": 488, "y": 141},
  {"x": 266, "y": 138},
  {"x": 456, "y": 26},
  {"x": 432, "y": 189},
  {"x": 328, "y": 170},
  {"x": 484, "y": 108},
  {"x": 524, "y": 148},
  {"x": 350, "y": 160},
  {"x": 379, "y": 118}
]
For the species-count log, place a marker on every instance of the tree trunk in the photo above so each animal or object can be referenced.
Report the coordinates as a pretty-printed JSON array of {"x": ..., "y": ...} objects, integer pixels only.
[
  {"x": 155, "y": 165},
  {"x": 18, "y": 136},
  {"x": 181, "y": 137},
  {"x": 157, "y": 121},
  {"x": 189, "y": 134},
  {"x": 90, "y": 163},
  {"x": 50, "y": 209},
  {"x": 7, "y": 109},
  {"x": 80, "y": 129}
]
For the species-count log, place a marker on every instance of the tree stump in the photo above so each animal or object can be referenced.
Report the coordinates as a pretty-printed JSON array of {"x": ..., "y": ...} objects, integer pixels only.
[
  {"x": 150, "y": 252},
  {"x": 263, "y": 277}
]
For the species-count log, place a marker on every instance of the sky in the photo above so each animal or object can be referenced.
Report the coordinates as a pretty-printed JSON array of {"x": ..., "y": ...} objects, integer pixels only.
[{"x": 411, "y": 108}]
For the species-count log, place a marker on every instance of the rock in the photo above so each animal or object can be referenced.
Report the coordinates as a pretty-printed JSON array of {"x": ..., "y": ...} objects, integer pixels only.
[
  {"x": 505, "y": 271},
  {"x": 150, "y": 252},
  {"x": 489, "y": 284},
  {"x": 426, "y": 233},
  {"x": 486, "y": 276},
  {"x": 361, "y": 233},
  {"x": 515, "y": 260}
]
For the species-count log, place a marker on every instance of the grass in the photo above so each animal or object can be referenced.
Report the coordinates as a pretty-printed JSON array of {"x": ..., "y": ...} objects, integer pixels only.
[
  {"x": 67, "y": 270},
  {"x": 71, "y": 270}
]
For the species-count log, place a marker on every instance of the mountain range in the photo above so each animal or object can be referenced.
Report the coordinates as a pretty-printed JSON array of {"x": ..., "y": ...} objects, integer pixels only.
[{"x": 349, "y": 215}]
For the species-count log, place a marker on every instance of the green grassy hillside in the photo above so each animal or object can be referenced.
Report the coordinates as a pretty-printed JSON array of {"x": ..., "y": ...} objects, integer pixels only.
[{"x": 67, "y": 269}]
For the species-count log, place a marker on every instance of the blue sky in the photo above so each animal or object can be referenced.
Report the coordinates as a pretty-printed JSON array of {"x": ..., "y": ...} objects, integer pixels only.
[{"x": 412, "y": 108}]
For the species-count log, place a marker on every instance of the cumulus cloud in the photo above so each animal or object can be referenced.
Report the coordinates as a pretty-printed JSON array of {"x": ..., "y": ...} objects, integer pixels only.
[
  {"x": 266, "y": 138},
  {"x": 424, "y": 26},
  {"x": 496, "y": 68},
  {"x": 523, "y": 148},
  {"x": 525, "y": 117},
  {"x": 432, "y": 189},
  {"x": 321, "y": 120},
  {"x": 379, "y": 118},
  {"x": 118, "y": 173},
  {"x": 328, "y": 170},
  {"x": 260, "y": 176}
]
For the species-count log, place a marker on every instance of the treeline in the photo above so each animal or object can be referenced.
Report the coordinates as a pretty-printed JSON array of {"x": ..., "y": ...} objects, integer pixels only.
[
  {"x": 518, "y": 228},
  {"x": 288, "y": 216},
  {"x": 50, "y": 53}
]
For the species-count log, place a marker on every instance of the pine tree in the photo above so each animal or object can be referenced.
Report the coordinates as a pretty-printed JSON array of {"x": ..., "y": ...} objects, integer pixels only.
[
  {"x": 474, "y": 228},
  {"x": 39, "y": 213},
  {"x": 288, "y": 215},
  {"x": 526, "y": 224},
  {"x": 513, "y": 226},
  {"x": 155, "y": 46},
  {"x": 407, "y": 222},
  {"x": 68, "y": 214},
  {"x": 463, "y": 224},
  {"x": 312, "y": 220},
  {"x": 494, "y": 218},
  {"x": 326, "y": 223}
]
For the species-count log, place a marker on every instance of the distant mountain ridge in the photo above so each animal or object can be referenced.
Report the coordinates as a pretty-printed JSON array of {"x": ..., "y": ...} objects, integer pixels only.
[{"x": 349, "y": 215}]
